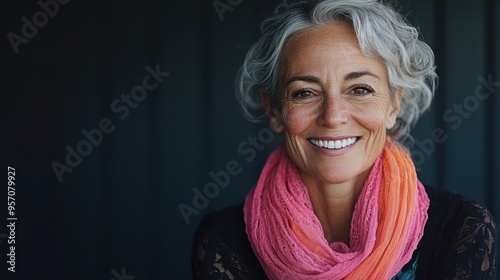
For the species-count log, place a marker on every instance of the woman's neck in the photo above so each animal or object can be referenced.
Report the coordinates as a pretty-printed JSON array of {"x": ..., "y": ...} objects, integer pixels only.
[{"x": 334, "y": 205}]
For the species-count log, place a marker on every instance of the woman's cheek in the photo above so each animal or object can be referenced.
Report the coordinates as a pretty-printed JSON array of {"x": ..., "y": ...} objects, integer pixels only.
[
  {"x": 370, "y": 116},
  {"x": 297, "y": 118}
]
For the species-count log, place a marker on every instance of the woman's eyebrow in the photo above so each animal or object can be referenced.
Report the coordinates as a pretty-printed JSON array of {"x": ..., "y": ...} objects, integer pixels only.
[
  {"x": 305, "y": 78},
  {"x": 355, "y": 75},
  {"x": 347, "y": 77}
]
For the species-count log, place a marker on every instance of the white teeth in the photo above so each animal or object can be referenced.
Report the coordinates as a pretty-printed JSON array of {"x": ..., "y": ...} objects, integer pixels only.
[
  {"x": 331, "y": 145},
  {"x": 338, "y": 144}
]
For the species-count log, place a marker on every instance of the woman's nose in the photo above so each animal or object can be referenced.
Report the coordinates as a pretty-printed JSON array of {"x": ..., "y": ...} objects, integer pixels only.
[{"x": 333, "y": 112}]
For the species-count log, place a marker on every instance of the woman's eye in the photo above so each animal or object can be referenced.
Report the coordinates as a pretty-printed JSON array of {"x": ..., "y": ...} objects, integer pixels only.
[
  {"x": 361, "y": 91},
  {"x": 303, "y": 94}
]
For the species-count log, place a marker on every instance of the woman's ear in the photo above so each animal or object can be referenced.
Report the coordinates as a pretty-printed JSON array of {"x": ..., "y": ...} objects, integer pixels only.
[
  {"x": 394, "y": 108},
  {"x": 273, "y": 114}
]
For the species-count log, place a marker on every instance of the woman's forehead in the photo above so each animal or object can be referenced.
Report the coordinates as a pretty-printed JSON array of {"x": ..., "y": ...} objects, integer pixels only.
[{"x": 327, "y": 50}]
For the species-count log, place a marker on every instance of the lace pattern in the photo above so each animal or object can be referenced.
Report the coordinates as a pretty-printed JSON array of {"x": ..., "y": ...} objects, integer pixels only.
[
  {"x": 460, "y": 242},
  {"x": 472, "y": 249},
  {"x": 213, "y": 259}
]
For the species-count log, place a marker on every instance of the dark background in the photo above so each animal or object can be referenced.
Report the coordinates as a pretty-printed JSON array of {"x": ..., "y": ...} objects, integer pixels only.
[{"x": 118, "y": 208}]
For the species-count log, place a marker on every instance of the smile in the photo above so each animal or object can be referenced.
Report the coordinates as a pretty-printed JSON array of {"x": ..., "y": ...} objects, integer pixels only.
[{"x": 334, "y": 145}]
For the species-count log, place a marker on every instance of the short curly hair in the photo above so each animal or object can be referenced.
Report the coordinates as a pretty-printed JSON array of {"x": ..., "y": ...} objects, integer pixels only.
[{"x": 381, "y": 32}]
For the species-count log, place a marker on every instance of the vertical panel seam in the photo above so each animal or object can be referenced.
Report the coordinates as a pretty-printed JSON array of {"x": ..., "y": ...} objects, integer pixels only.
[
  {"x": 206, "y": 90},
  {"x": 440, "y": 97},
  {"x": 489, "y": 116}
]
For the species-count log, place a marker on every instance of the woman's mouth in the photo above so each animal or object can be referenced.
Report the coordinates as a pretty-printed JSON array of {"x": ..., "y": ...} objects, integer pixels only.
[{"x": 333, "y": 144}]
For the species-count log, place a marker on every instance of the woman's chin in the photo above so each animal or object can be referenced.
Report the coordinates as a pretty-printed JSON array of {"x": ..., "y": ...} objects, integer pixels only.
[
  {"x": 332, "y": 177},
  {"x": 341, "y": 174}
]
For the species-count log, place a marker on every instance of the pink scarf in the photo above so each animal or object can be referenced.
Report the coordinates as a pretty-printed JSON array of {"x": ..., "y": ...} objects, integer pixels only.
[{"x": 387, "y": 223}]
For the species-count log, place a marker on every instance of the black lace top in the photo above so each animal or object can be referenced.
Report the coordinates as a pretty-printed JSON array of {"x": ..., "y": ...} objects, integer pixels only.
[{"x": 459, "y": 242}]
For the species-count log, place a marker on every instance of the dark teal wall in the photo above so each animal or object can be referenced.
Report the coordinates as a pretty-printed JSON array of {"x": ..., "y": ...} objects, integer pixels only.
[{"x": 119, "y": 207}]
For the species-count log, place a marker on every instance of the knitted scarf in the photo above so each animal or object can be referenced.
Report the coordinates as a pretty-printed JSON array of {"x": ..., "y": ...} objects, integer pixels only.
[{"x": 387, "y": 223}]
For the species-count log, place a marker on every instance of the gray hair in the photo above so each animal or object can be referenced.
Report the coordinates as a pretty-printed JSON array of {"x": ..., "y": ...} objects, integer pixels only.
[{"x": 381, "y": 32}]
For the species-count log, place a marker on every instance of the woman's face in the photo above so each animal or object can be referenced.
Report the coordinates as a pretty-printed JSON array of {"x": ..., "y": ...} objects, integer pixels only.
[{"x": 335, "y": 105}]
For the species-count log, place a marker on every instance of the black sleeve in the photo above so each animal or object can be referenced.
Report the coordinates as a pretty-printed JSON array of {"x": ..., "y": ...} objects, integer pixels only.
[
  {"x": 221, "y": 249},
  {"x": 470, "y": 247}
]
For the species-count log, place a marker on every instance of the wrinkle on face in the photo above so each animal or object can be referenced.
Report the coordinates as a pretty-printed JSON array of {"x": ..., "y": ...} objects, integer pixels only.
[{"x": 318, "y": 60}]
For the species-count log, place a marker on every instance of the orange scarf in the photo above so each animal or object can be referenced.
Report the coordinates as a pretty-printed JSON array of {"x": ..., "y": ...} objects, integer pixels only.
[{"x": 387, "y": 224}]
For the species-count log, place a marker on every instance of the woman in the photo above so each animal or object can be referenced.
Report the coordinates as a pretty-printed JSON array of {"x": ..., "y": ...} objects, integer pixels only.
[{"x": 343, "y": 80}]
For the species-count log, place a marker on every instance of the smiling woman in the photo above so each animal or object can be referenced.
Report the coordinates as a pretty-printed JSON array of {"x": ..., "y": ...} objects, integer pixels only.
[
  {"x": 343, "y": 80},
  {"x": 324, "y": 102}
]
